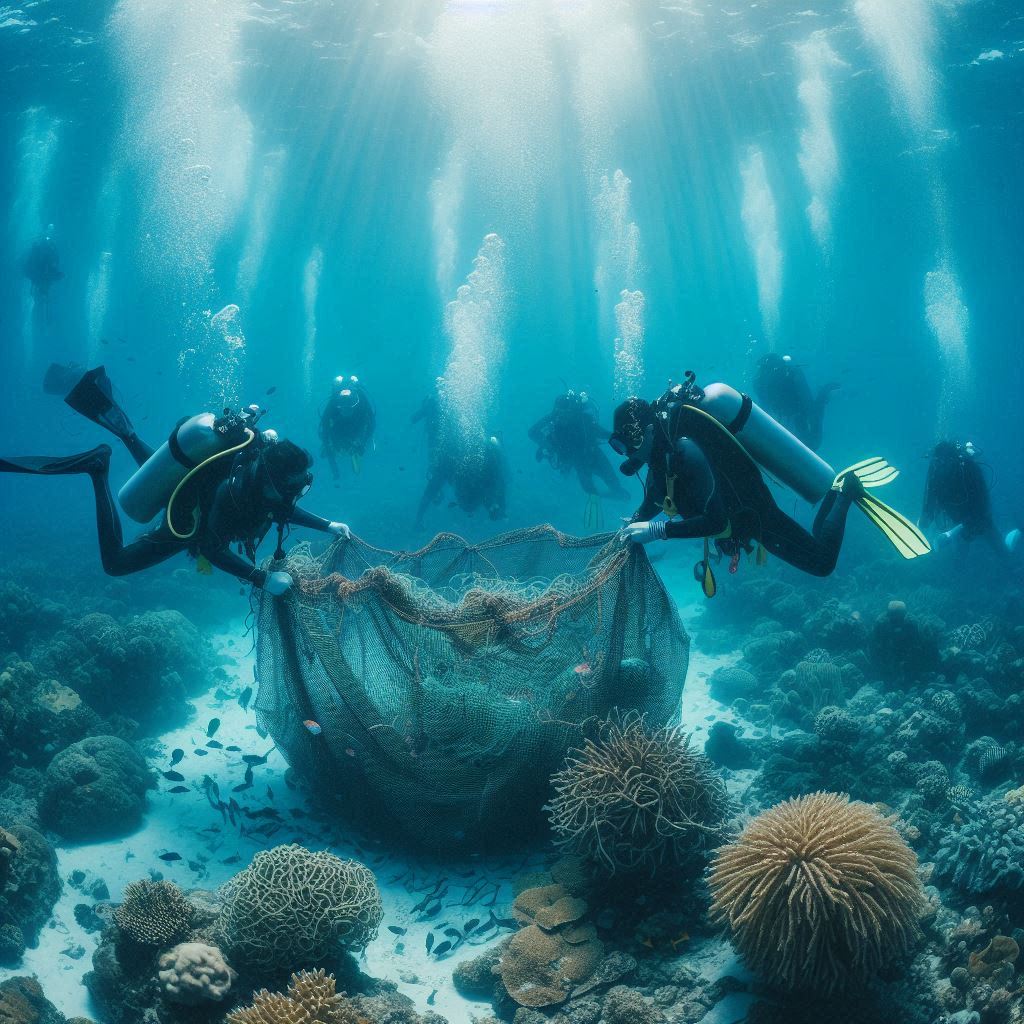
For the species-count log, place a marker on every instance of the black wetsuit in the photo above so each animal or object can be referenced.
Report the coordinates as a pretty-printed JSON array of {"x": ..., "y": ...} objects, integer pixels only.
[
  {"x": 228, "y": 512},
  {"x": 956, "y": 490},
  {"x": 783, "y": 392},
  {"x": 705, "y": 477},
  {"x": 42, "y": 267},
  {"x": 570, "y": 439},
  {"x": 347, "y": 426}
]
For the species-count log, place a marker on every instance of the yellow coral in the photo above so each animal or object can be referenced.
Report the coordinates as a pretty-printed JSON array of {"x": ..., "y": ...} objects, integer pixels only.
[
  {"x": 311, "y": 999},
  {"x": 1015, "y": 796}
]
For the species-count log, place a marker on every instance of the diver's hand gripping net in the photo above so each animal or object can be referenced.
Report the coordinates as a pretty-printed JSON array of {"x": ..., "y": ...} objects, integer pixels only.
[{"x": 448, "y": 683}]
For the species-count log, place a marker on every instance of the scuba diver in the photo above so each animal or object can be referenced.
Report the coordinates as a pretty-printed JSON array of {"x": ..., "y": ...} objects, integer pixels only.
[
  {"x": 783, "y": 392},
  {"x": 41, "y": 265},
  {"x": 216, "y": 481},
  {"x": 957, "y": 492},
  {"x": 347, "y": 423},
  {"x": 699, "y": 446},
  {"x": 475, "y": 473},
  {"x": 569, "y": 437}
]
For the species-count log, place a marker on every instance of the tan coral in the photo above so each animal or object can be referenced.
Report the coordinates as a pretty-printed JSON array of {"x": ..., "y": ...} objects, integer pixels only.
[
  {"x": 311, "y": 999},
  {"x": 194, "y": 973},
  {"x": 540, "y": 968},
  {"x": 1001, "y": 950},
  {"x": 819, "y": 892},
  {"x": 572, "y": 874},
  {"x": 549, "y": 906}
]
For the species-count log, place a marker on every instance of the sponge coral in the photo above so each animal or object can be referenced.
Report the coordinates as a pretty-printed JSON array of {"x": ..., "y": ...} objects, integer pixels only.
[
  {"x": 311, "y": 999},
  {"x": 154, "y": 913},
  {"x": 818, "y": 892},
  {"x": 635, "y": 798},
  {"x": 292, "y": 908}
]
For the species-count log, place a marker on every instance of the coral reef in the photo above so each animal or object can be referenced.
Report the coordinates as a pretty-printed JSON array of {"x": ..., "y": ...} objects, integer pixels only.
[
  {"x": 292, "y": 908},
  {"x": 29, "y": 888},
  {"x": 818, "y": 893},
  {"x": 154, "y": 913},
  {"x": 311, "y": 999},
  {"x": 95, "y": 789},
  {"x": 22, "y": 1002},
  {"x": 144, "y": 667},
  {"x": 193, "y": 973},
  {"x": 635, "y": 799}
]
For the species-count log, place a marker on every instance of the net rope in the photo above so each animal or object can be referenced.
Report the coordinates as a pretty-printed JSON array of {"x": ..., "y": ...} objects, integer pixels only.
[{"x": 449, "y": 683}]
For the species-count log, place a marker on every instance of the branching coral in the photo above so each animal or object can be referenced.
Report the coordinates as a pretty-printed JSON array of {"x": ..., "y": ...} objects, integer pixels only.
[
  {"x": 154, "y": 913},
  {"x": 292, "y": 908},
  {"x": 635, "y": 798},
  {"x": 311, "y": 999},
  {"x": 818, "y": 892}
]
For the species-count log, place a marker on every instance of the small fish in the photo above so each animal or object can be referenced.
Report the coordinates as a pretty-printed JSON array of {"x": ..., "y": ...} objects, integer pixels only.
[
  {"x": 453, "y": 933},
  {"x": 195, "y": 865},
  {"x": 470, "y": 925},
  {"x": 442, "y": 949},
  {"x": 201, "y": 753},
  {"x": 212, "y": 728},
  {"x": 430, "y": 941},
  {"x": 253, "y": 759},
  {"x": 271, "y": 389},
  {"x": 583, "y": 668},
  {"x": 313, "y": 727},
  {"x": 248, "y": 774},
  {"x": 233, "y": 859},
  {"x": 270, "y": 793},
  {"x": 234, "y": 748},
  {"x": 433, "y": 910},
  {"x": 399, "y": 948},
  {"x": 214, "y": 744},
  {"x": 178, "y": 789},
  {"x": 396, "y": 930},
  {"x": 241, "y": 787},
  {"x": 244, "y": 697},
  {"x": 173, "y": 776},
  {"x": 682, "y": 937},
  {"x": 506, "y": 922},
  {"x": 169, "y": 857},
  {"x": 176, "y": 755},
  {"x": 431, "y": 997}
]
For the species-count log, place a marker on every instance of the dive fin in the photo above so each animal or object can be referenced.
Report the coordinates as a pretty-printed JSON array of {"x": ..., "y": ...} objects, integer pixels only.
[
  {"x": 593, "y": 513},
  {"x": 60, "y": 378},
  {"x": 875, "y": 472},
  {"x": 93, "y": 461},
  {"x": 904, "y": 536},
  {"x": 93, "y": 398}
]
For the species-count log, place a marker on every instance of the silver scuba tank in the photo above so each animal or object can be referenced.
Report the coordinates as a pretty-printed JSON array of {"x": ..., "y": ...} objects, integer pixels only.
[
  {"x": 150, "y": 488},
  {"x": 781, "y": 454}
]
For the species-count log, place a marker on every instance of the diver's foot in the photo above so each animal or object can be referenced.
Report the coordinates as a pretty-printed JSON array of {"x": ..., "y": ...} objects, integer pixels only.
[
  {"x": 95, "y": 461},
  {"x": 852, "y": 487}
]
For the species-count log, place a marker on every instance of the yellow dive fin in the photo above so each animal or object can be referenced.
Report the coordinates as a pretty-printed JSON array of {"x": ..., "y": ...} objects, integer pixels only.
[
  {"x": 708, "y": 583},
  {"x": 904, "y": 536},
  {"x": 203, "y": 566},
  {"x": 761, "y": 556}
]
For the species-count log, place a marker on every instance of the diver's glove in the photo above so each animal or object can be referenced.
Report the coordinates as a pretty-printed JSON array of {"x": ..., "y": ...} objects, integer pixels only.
[
  {"x": 339, "y": 530},
  {"x": 643, "y": 533},
  {"x": 278, "y": 583}
]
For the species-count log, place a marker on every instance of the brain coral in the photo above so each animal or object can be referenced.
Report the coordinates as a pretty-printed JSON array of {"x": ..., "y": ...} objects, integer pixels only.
[
  {"x": 194, "y": 973},
  {"x": 154, "y": 913},
  {"x": 818, "y": 892},
  {"x": 292, "y": 908},
  {"x": 635, "y": 798}
]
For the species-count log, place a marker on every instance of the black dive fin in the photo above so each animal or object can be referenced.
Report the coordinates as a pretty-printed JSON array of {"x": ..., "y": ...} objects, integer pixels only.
[
  {"x": 42, "y": 465},
  {"x": 93, "y": 398}
]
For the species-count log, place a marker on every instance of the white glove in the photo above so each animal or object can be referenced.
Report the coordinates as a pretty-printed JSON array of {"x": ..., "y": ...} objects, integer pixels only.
[
  {"x": 642, "y": 533},
  {"x": 278, "y": 583},
  {"x": 340, "y": 530}
]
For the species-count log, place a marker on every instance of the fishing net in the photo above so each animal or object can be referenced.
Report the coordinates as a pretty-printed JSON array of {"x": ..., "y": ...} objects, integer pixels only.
[{"x": 438, "y": 691}]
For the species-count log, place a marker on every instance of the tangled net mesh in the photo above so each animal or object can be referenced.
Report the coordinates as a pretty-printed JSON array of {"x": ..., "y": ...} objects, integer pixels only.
[
  {"x": 293, "y": 908},
  {"x": 635, "y": 798},
  {"x": 449, "y": 683}
]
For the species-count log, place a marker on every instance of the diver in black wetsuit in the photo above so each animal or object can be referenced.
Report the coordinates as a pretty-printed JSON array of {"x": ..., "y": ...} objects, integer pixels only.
[
  {"x": 783, "y": 392},
  {"x": 236, "y": 499},
  {"x": 475, "y": 474},
  {"x": 569, "y": 437},
  {"x": 347, "y": 423},
  {"x": 697, "y": 470},
  {"x": 41, "y": 266},
  {"x": 956, "y": 491}
]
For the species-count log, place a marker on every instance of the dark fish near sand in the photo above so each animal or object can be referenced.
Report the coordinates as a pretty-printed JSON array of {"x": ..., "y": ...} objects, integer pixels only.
[
  {"x": 244, "y": 697},
  {"x": 396, "y": 930},
  {"x": 215, "y": 744},
  {"x": 442, "y": 949},
  {"x": 178, "y": 789},
  {"x": 169, "y": 857},
  {"x": 470, "y": 925},
  {"x": 212, "y": 728},
  {"x": 176, "y": 755},
  {"x": 173, "y": 776},
  {"x": 430, "y": 941}
]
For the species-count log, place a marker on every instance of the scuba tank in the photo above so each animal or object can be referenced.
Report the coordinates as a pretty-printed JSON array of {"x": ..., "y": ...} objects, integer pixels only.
[
  {"x": 193, "y": 441},
  {"x": 777, "y": 451}
]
